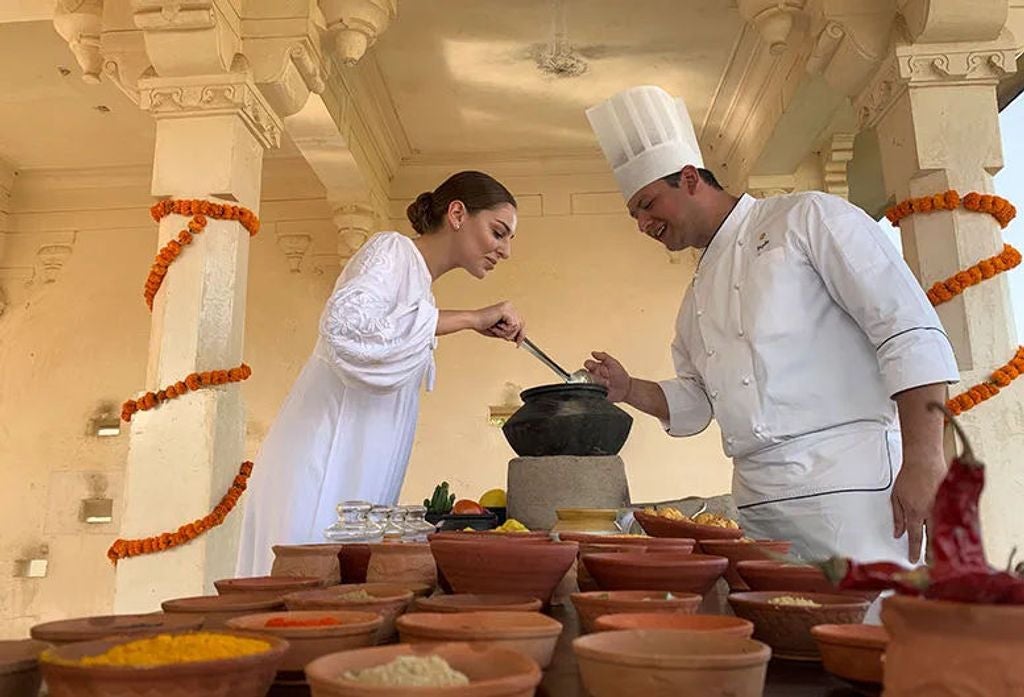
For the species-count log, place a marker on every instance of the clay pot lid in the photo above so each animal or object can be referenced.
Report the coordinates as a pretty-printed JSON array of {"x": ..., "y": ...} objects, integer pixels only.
[
  {"x": 763, "y": 599},
  {"x": 265, "y": 584},
  {"x": 479, "y": 625},
  {"x": 351, "y": 622},
  {"x": 20, "y": 655},
  {"x": 722, "y": 624},
  {"x": 230, "y": 602},
  {"x": 477, "y": 602},
  {"x": 671, "y": 648},
  {"x": 492, "y": 671},
  {"x": 90, "y": 628},
  {"x": 867, "y": 636}
]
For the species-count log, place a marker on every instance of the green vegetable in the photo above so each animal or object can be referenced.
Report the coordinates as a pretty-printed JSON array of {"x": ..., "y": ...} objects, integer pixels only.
[{"x": 442, "y": 501}]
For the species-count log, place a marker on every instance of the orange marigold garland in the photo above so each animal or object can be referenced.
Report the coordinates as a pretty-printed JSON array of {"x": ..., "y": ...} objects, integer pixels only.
[
  {"x": 200, "y": 211},
  {"x": 944, "y": 291},
  {"x": 996, "y": 206},
  {"x": 985, "y": 269},
  {"x": 194, "y": 381},
  {"x": 122, "y": 549},
  {"x": 1000, "y": 378}
]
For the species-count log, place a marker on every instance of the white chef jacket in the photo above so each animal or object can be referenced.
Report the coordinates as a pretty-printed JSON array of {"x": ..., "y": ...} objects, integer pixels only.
[{"x": 801, "y": 322}]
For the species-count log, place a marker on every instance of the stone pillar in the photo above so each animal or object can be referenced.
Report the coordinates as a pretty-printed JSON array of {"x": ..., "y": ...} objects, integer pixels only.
[
  {"x": 211, "y": 134},
  {"x": 934, "y": 108},
  {"x": 212, "y": 127}
]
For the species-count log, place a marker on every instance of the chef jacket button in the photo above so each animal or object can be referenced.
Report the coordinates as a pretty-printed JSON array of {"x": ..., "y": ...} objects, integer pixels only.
[
  {"x": 714, "y": 394},
  {"x": 700, "y": 313},
  {"x": 740, "y": 332},
  {"x": 759, "y": 429},
  {"x": 730, "y": 441},
  {"x": 746, "y": 381},
  {"x": 736, "y": 286},
  {"x": 739, "y": 243},
  {"x": 711, "y": 352}
]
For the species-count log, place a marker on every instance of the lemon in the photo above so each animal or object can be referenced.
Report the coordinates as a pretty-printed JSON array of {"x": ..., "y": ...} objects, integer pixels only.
[{"x": 495, "y": 498}]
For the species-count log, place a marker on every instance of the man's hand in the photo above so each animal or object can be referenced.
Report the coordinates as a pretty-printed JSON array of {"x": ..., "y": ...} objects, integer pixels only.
[
  {"x": 924, "y": 464},
  {"x": 609, "y": 372}
]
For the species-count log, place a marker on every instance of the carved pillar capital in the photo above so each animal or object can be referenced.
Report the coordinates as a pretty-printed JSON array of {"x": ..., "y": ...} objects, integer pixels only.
[
  {"x": 943, "y": 21},
  {"x": 200, "y": 37},
  {"x": 354, "y": 25},
  {"x": 294, "y": 246},
  {"x": 355, "y": 223},
  {"x": 80, "y": 23}
]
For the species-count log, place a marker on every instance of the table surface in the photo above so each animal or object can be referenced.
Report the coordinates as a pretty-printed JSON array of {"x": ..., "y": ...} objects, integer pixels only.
[{"x": 561, "y": 679}]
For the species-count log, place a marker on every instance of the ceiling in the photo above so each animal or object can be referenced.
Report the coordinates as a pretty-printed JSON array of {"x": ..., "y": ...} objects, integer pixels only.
[{"x": 461, "y": 75}]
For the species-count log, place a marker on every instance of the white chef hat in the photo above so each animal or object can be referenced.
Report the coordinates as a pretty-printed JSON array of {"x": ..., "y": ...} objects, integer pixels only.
[{"x": 645, "y": 134}]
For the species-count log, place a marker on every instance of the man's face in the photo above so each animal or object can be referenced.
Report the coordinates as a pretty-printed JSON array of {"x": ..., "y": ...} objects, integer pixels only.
[{"x": 661, "y": 212}]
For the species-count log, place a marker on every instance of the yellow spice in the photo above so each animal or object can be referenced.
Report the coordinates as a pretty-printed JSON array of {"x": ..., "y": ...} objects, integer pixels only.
[{"x": 165, "y": 649}]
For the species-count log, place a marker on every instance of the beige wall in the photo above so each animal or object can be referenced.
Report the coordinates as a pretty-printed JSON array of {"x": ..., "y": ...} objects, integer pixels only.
[{"x": 580, "y": 273}]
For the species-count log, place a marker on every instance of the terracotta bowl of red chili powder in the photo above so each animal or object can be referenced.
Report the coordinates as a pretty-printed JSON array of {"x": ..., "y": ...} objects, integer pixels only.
[{"x": 311, "y": 634}]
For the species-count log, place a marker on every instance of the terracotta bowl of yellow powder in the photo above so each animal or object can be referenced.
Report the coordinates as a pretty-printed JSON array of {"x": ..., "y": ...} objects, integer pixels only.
[{"x": 181, "y": 664}]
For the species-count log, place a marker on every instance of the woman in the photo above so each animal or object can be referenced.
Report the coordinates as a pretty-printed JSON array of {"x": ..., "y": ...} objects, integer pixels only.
[{"x": 346, "y": 428}]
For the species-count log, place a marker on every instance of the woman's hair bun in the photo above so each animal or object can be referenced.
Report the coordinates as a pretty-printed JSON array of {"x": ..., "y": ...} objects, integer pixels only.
[{"x": 421, "y": 213}]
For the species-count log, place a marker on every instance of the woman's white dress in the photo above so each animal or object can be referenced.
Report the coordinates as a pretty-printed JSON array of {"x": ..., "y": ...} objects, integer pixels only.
[{"x": 346, "y": 429}]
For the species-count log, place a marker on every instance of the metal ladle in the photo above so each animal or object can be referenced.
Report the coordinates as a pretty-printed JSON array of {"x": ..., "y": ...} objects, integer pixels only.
[{"x": 579, "y": 376}]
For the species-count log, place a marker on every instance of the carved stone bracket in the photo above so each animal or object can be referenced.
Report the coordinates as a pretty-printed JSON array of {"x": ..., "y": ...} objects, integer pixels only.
[
  {"x": 229, "y": 93},
  {"x": 355, "y": 223},
  {"x": 294, "y": 246},
  {"x": 834, "y": 160},
  {"x": 326, "y": 264},
  {"x": 773, "y": 19},
  {"x": 932, "y": 21},
  {"x": 354, "y": 25},
  {"x": 51, "y": 259},
  {"x": 848, "y": 48},
  {"x": 80, "y": 23},
  {"x": 933, "y": 64},
  {"x": 189, "y": 37},
  {"x": 286, "y": 70}
]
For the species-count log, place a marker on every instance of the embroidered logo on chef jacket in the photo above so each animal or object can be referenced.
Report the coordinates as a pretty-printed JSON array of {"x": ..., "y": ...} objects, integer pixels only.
[{"x": 762, "y": 242}]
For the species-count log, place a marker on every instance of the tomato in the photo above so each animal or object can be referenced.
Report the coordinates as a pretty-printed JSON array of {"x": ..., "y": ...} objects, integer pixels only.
[{"x": 467, "y": 507}]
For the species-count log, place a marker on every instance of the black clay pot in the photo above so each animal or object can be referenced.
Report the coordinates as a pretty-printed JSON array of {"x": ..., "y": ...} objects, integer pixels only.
[{"x": 567, "y": 419}]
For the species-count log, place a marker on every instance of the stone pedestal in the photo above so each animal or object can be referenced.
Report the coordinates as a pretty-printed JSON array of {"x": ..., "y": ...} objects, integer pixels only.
[{"x": 537, "y": 486}]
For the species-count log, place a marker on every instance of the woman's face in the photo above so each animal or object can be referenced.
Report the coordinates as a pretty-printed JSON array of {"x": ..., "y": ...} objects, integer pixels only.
[{"x": 483, "y": 239}]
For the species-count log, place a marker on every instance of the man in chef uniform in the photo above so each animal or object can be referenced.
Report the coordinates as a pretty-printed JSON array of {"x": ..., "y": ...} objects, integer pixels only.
[{"x": 803, "y": 333}]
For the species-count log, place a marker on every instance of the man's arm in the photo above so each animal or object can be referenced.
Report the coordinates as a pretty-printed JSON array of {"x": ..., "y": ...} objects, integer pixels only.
[{"x": 924, "y": 463}]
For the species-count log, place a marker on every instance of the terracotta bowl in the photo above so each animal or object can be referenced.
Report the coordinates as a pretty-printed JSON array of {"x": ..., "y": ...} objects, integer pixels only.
[
  {"x": 591, "y": 606},
  {"x": 647, "y": 541},
  {"x": 852, "y": 652},
  {"x": 91, "y": 628},
  {"x": 389, "y": 601},
  {"x": 787, "y": 628},
  {"x": 476, "y": 535},
  {"x": 738, "y": 550},
  {"x": 533, "y": 569},
  {"x": 530, "y": 633},
  {"x": 471, "y": 602},
  {"x": 19, "y": 667},
  {"x": 705, "y": 624},
  {"x": 689, "y": 573},
  {"x": 216, "y": 610},
  {"x": 402, "y": 562},
  {"x": 492, "y": 671},
  {"x": 762, "y": 575},
  {"x": 668, "y": 663},
  {"x": 357, "y": 630},
  {"x": 353, "y": 558},
  {"x": 656, "y": 526},
  {"x": 267, "y": 585},
  {"x": 319, "y": 560},
  {"x": 245, "y": 676},
  {"x": 419, "y": 590}
]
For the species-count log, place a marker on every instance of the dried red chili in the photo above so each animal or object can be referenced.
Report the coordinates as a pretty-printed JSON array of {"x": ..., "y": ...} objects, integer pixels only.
[{"x": 311, "y": 622}]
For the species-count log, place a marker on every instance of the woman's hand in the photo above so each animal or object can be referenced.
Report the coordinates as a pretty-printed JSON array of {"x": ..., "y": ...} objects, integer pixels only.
[{"x": 501, "y": 321}]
